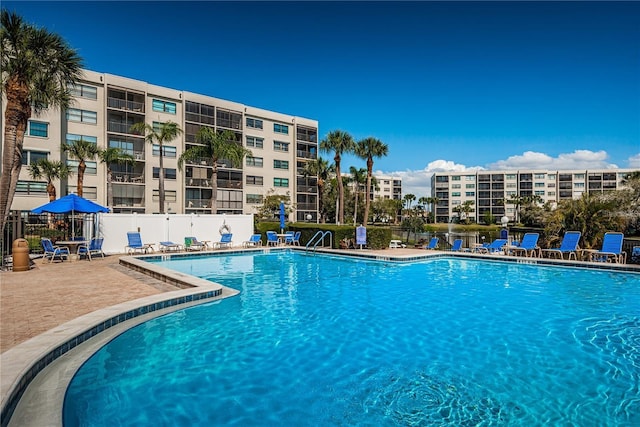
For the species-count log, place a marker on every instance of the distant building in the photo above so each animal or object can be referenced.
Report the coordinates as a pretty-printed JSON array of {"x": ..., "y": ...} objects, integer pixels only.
[
  {"x": 388, "y": 187},
  {"x": 103, "y": 110},
  {"x": 489, "y": 189}
]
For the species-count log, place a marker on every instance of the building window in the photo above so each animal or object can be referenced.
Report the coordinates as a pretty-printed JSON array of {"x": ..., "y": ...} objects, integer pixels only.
[
  {"x": 254, "y": 161},
  {"x": 82, "y": 116},
  {"x": 511, "y": 176},
  {"x": 168, "y": 173},
  {"x": 71, "y": 138},
  {"x": 30, "y": 157},
  {"x": 164, "y": 106},
  {"x": 92, "y": 167},
  {"x": 551, "y": 193},
  {"x": 167, "y": 151},
  {"x": 90, "y": 193},
  {"x": 470, "y": 193},
  {"x": 540, "y": 176},
  {"x": 578, "y": 184},
  {"x": 578, "y": 176},
  {"x": 281, "y": 146},
  {"x": 169, "y": 195},
  {"x": 456, "y": 186},
  {"x": 470, "y": 178},
  {"x": 31, "y": 187},
  {"x": 455, "y": 194},
  {"x": 84, "y": 91},
  {"x": 470, "y": 186},
  {"x": 280, "y": 182},
  {"x": 254, "y": 180},
  {"x": 278, "y": 128},
  {"x": 38, "y": 129},
  {"x": 254, "y": 199},
  {"x": 511, "y": 193},
  {"x": 539, "y": 192},
  {"x": 455, "y": 178},
  {"x": 254, "y": 123},
  {"x": 456, "y": 202},
  {"x": 254, "y": 142},
  {"x": 281, "y": 164},
  {"x": 539, "y": 184}
]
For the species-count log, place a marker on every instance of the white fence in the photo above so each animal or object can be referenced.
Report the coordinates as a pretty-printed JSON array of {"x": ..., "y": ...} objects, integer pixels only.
[{"x": 161, "y": 228}]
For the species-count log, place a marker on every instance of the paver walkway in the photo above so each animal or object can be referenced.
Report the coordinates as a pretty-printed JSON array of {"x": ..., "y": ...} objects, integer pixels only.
[{"x": 48, "y": 295}]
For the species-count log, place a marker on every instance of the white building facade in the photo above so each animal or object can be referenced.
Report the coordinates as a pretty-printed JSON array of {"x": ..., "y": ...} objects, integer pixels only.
[
  {"x": 106, "y": 106},
  {"x": 488, "y": 190}
]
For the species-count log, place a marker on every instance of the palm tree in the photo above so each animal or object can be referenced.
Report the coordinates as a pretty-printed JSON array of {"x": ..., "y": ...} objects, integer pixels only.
[
  {"x": 49, "y": 170},
  {"x": 82, "y": 151},
  {"x": 166, "y": 132},
  {"x": 320, "y": 169},
  {"x": 109, "y": 156},
  {"x": 467, "y": 208},
  {"x": 367, "y": 149},
  {"x": 37, "y": 69},
  {"x": 408, "y": 199},
  {"x": 340, "y": 143},
  {"x": 216, "y": 146},
  {"x": 358, "y": 177}
]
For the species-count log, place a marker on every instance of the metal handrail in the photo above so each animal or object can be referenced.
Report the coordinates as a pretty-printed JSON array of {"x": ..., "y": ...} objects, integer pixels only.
[{"x": 320, "y": 238}]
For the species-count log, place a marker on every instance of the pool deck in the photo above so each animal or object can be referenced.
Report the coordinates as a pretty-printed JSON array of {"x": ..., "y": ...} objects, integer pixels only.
[{"x": 40, "y": 307}]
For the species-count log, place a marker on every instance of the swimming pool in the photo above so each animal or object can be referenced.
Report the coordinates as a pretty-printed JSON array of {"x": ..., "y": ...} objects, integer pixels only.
[{"x": 320, "y": 340}]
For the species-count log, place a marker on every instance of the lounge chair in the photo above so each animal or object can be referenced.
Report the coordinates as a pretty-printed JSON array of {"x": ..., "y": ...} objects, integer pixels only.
[
  {"x": 457, "y": 245},
  {"x": 433, "y": 243},
  {"x": 254, "y": 240},
  {"x": 135, "y": 243},
  {"x": 494, "y": 247},
  {"x": 51, "y": 251},
  {"x": 272, "y": 238},
  {"x": 568, "y": 246},
  {"x": 296, "y": 238},
  {"x": 225, "y": 241},
  {"x": 528, "y": 246},
  {"x": 170, "y": 246},
  {"x": 288, "y": 237},
  {"x": 93, "y": 248},
  {"x": 611, "y": 249},
  {"x": 192, "y": 244}
]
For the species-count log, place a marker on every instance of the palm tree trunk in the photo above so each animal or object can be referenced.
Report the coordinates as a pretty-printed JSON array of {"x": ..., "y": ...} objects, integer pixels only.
[
  {"x": 367, "y": 202},
  {"x": 161, "y": 180},
  {"x": 214, "y": 189},
  {"x": 320, "y": 203},
  {"x": 51, "y": 190},
  {"x": 340, "y": 213},
  {"x": 355, "y": 207},
  {"x": 82, "y": 166},
  {"x": 16, "y": 117},
  {"x": 109, "y": 189}
]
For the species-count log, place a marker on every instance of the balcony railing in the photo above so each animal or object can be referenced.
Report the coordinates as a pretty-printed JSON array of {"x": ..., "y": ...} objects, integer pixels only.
[
  {"x": 306, "y": 154},
  {"x": 126, "y": 177},
  {"x": 121, "y": 104},
  {"x": 128, "y": 201},
  {"x": 198, "y": 203},
  {"x": 198, "y": 182},
  {"x": 227, "y": 183},
  {"x": 120, "y": 127},
  {"x": 306, "y": 206}
]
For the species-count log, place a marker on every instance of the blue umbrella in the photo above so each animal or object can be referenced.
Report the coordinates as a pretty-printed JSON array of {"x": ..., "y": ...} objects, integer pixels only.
[
  {"x": 70, "y": 204},
  {"x": 282, "y": 217}
]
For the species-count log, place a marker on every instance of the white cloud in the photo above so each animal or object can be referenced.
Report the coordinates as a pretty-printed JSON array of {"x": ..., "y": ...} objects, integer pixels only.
[
  {"x": 634, "y": 161},
  {"x": 579, "y": 159},
  {"x": 418, "y": 182}
]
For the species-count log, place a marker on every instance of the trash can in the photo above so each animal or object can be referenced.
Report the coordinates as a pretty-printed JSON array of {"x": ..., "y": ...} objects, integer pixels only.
[{"x": 20, "y": 251}]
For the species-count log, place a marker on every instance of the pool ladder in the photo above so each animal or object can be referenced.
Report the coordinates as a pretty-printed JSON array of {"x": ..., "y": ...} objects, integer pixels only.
[{"x": 319, "y": 238}]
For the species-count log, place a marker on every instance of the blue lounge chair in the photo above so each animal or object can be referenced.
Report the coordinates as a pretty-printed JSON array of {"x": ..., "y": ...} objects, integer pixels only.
[
  {"x": 296, "y": 238},
  {"x": 494, "y": 247},
  {"x": 193, "y": 244},
  {"x": 433, "y": 243},
  {"x": 93, "y": 248},
  {"x": 568, "y": 246},
  {"x": 272, "y": 238},
  {"x": 457, "y": 245},
  {"x": 611, "y": 249},
  {"x": 170, "y": 246},
  {"x": 225, "y": 241},
  {"x": 254, "y": 240},
  {"x": 51, "y": 251},
  {"x": 135, "y": 243},
  {"x": 288, "y": 238},
  {"x": 528, "y": 246}
]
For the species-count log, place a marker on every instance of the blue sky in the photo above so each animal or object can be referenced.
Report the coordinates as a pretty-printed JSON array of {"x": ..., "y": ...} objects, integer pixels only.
[{"x": 447, "y": 85}]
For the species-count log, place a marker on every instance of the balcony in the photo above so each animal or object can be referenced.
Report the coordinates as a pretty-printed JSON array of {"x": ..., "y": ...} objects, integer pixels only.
[
  {"x": 227, "y": 183},
  {"x": 128, "y": 178},
  {"x": 122, "y": 104},
  {"x": 121, "y": 127},
  {"x": 307, "y": 154},
  {"x": 197, "y": 182},
  {"x": 198, "y": 203}
]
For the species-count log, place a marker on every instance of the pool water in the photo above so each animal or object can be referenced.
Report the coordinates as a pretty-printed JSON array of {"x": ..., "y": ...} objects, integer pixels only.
[{"x": 319, "y": 340}]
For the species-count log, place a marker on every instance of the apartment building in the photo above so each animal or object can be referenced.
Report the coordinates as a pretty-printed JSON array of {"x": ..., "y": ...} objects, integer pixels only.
[
  {"x": 106, "y": 106},
  {"x": 388, "y": 187},
  {"x": 488, "y": 190}
]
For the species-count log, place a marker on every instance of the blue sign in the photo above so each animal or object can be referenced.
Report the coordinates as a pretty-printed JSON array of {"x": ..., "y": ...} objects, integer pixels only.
[{"x": 361, "y": 235}]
